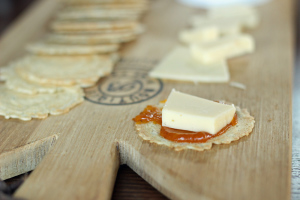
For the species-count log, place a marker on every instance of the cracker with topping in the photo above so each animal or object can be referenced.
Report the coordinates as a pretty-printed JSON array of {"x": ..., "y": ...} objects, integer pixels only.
[{"x": 150, "y": 131}]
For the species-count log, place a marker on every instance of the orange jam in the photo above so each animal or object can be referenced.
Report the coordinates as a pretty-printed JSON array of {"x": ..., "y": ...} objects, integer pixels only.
[{"x": 153, "y": 114}]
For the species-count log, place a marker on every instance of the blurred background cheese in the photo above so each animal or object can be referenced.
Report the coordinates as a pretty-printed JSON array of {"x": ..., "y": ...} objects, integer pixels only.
[
  {"x": 224, "y": 48},
  {"x": 179, "y": 65}
]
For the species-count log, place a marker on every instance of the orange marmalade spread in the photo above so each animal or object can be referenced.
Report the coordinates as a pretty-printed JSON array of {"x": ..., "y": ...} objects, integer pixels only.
[{"x": 154, "y": 114}]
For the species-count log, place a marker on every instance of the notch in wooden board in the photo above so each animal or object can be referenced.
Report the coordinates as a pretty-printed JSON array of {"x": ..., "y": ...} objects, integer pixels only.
[{"x": 25, "y": 158}]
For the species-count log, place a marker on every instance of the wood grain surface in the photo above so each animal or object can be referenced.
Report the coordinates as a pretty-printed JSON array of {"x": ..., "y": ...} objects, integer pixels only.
[
  {"x": 93, "y": 139},
  {"x": 131, "y": 186}
]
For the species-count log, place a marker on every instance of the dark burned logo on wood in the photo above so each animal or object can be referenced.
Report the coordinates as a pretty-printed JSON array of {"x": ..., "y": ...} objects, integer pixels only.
[{"x": 128, "y": 84}]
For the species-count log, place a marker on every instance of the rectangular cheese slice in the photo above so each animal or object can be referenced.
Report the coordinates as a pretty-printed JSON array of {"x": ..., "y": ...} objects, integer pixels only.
[
  {"x": 246, "y": 20},
  {"x": 187, "y": 112},
  {"x": 179, "y": 65},
  {"x": 231, "y": 11},
  {"x": 223, "y": 29},
  {"x": 199, "y": 35},
  {"x": 224, "y": 48}
]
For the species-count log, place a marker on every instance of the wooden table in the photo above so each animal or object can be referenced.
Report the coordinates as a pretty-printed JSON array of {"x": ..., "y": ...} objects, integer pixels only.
[
  {"x": 128, "y": 185},
  {"x": 272, "y": 109}
]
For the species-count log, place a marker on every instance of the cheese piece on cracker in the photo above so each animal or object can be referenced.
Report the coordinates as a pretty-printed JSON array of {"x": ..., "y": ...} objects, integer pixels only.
[
  {"x": 199, "y": 35},
  {"x": 15, "y": 82},
  {"x": 179, "y": 65},
  {"x": 44, "y": 48},
  {"x": 186, "y": 112},
  {"x": 64, "y": 70},
  {"x": 25, "y": 107},
  {"x": 224, "y": 48},
  {"x": 151, "y": 132}
]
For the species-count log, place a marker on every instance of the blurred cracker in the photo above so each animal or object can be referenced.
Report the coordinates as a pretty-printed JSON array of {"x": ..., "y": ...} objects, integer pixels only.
[
  {"x": 44, "y": 48},
  {"x": 90, "y": 39},
  {"x": 92, "y": 25},
  {"x": 75, "y": 14},
  {"x": 25, "y": 107},
  {"x": 64, "y": 70},
  {"x": 15, "y": 82},
  {"x": 141, "y": 4},
  {"x": 136, "y": 30},
  {"x": 105, "y": 1}
]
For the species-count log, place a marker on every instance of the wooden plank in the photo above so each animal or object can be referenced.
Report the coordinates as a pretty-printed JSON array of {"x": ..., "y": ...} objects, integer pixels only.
[{"x": 94, "y": 138}]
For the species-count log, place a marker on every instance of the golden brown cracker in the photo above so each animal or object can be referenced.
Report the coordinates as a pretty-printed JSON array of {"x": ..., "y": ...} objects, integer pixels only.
[
  {"x": 91, "y": 25},
  {"x": 44, "y": 48},
  {"x": 25, "y": 107},
  {"x": 64, "y": 70}
]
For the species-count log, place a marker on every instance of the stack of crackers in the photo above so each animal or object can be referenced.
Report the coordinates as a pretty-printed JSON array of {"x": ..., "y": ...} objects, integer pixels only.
[{"x": 80, "y": 48}]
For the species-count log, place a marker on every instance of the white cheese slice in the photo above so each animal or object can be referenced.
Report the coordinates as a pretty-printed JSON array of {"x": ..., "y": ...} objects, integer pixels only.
[
  {"x": 187, "y": 112},
  {"x": 244, "y": 20},
  {"x": 199, "y": 35},
  {"x": 224, "y": 48},
  {"x": 179, "y": 65},
  {"x": 231, "y": 11},
  {"x": 223, "y": 29}
]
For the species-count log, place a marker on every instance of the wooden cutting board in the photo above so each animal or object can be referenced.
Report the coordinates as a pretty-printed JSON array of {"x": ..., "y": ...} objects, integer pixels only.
[{"x": 78, "y": 154}]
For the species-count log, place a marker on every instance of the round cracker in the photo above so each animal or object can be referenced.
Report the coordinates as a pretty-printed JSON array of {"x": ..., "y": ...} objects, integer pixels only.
[
  {"x": 139, "y": 29},
  {"x": 15, "y": 82},
  {"x": 90, "y": 39},
  {"x": 151, "y": 132},
  {"x": 64, "y": 70},
  {"x": 92, "y": 25},
  {"x": 75, "y": 14},
  {"x": 44, "y": 48},
  {"x": 25, "y": 107},
  {"x": 107, "y": 1},
  {"x": 133, "y": 7}
]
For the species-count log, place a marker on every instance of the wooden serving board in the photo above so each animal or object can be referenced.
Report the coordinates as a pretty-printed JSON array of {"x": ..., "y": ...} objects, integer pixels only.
[{"x": 77, "y": 155}]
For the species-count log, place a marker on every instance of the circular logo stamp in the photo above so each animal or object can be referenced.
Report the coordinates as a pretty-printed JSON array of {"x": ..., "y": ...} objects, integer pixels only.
[{"x": 128, "y": 84}]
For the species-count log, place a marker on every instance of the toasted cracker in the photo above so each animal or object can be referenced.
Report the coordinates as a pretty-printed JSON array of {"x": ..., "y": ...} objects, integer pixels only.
[
  {"x": 25, "y": 107},
  {"x": 44, "y": 48},
  {"x": 91, "y": 13},
  {"x": 151, "y": 132},
  {"x": 140, "y": 5},
  {"x": 136, "y": 30},
  {"x": 64, "y": 70},
  {"x": 107, "y": 1},
  {"x": 131, "y": 7},
  {"x": 15, "y": 82},
  {"x": 91, "y": 25},
  {"x": 90, "y": 39}
]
